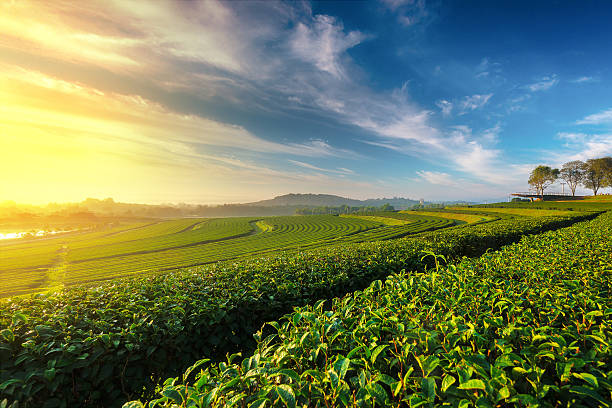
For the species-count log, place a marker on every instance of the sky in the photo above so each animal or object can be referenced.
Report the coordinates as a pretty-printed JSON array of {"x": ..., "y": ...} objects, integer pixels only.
[{"x": 221, "y": 102}]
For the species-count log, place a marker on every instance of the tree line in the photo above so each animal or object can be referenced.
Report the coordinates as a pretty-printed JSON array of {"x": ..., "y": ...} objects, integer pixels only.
[
  {"x": 593, "y": 174},
  {"x": 343, "y": 209}
]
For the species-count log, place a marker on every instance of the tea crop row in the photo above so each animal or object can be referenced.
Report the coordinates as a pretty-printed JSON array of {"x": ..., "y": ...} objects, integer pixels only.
[
  {"x": 104, "y": 345},
  {"x": 530, "y": 325},
  {"x": 201, "y": 242}
]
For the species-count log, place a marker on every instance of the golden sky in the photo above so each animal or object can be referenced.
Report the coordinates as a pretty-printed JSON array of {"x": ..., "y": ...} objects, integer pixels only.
[
  {"x": 210, "y": 101},
  {"x": 71, "y": 128}
]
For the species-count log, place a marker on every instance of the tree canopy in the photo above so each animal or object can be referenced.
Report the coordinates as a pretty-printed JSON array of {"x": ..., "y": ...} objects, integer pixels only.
[
  {"x": 597, "y": 174},
  {"x": 541, "y": 177},
  {"x": 573, "y": 174}
]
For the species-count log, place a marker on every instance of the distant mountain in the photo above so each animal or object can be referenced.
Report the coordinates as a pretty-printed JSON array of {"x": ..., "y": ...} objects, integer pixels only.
[
  {"x": 329, "y": 200},
  {"x": 308, "y": 200}
]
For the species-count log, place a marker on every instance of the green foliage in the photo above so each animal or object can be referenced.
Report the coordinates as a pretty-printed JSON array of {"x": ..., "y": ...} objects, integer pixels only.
[
  {"x": 573, "y": 174},
  {"x": 542, "y": 177},
  {"x": 343, "y": 209},
  {"x": 578, "y": 205},
  {"x": 597, "y": 173},
  {"x": 102, "y": 345},
  {"x": 530, "y": 325},
  {"x": 172, "y": 244}
]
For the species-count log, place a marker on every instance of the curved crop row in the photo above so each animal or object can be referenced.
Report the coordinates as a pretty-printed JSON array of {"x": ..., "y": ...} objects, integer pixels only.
[
  {"x": 207, "y": 230},
  {"x": 530, "y": 325},
  {"x": 285, "y": 233},
  {"x": 24, "y": 265},
  {"x": 468, "y": 218},
  {"x": 525, "y": 212},
  {"x": 417, "y": 224},
  {"x": 103, "y": 345}
]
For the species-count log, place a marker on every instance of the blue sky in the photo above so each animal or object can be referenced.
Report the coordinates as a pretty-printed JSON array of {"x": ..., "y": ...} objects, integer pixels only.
[{"x": 236, "y": 101}]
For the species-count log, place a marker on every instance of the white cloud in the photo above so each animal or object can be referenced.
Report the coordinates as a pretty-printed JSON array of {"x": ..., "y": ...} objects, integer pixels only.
[
  {"x": 437, "y": 178},
  {"x": 581, "y": 146},
  {"x": 409, "y": 12},
  {"x": 339, "y": 170},
  {"x": 597, "y": 118},
  {"x": 572, "y": 137},
  {"x": 473, "y": 102},
  {"x": 323, "y": 43},
  {"x": 491, "y": 135},
  {"x": 584, "y": 79},
  {"x": 544, "y": 83},
  {"x": 445, "y": 106},
  {"x": 517, "y": 103}
]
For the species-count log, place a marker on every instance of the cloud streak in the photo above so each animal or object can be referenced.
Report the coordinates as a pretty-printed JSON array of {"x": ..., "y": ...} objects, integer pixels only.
[
  {"x": 597, "y": 118},
  {"x": 544, "y": 84}
]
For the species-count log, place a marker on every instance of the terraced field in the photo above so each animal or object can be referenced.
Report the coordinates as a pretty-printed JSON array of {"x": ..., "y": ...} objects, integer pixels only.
[
  {"x": 399, "y": 224},
  {"x": 122, "y": 337},
  {"x": 525, "y": 212},
  {"x": 149, "y": 247},
  {"x": 528, "y": 326},
  {"x": 140, "y": 248},
  {"x": 461, "y": 217}
]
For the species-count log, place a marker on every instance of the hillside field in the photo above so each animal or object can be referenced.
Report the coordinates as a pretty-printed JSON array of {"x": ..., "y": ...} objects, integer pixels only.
[
  {"x": 141, "y": 248},
  {"x": 388, "y": 309}
]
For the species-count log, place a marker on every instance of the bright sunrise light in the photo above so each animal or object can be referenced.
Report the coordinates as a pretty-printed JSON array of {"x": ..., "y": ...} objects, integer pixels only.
[
  {"x": 213, "y": 102},
  {"x": 305, "y": 203}
]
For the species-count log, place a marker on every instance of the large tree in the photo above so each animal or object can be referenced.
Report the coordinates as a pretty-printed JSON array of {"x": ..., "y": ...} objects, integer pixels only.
[
  {"x": 542, "y": 177},
  {"x": 597, "y": 173},
  {"x": 573, "y": 174}
]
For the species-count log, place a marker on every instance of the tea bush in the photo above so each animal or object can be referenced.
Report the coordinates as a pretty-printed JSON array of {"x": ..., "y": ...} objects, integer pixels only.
[
  {"x": 530, "y": 325},
  {"x": 102, "y": 346}
]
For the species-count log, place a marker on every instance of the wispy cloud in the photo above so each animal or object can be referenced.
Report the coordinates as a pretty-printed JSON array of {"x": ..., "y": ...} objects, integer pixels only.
[
  {"x": 583, "y": 146},
  {"x": 597, "y": 118},
  {"x": 491, "y": 135},
  {"x": 131, "y": 135},
  {"x": 409, "y": 12},
  {"x": 544, "y": 83},
  {"x": 465, "y": 105},
  {"x": 445, "y": 106},
  {"x": 339, "y": 170},
  {"x": 473, "y": 102},
  {"x": 584, "y": 79},
  {"x": 517, "y": 104},
  {"x": 323, "y": 43},
  {"x": 437, "y": 178},
  {"x": 572, "y": 137}
]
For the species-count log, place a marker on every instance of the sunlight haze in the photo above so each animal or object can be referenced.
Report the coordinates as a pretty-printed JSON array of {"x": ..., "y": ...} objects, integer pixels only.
[{"x": 213, "y": 102}]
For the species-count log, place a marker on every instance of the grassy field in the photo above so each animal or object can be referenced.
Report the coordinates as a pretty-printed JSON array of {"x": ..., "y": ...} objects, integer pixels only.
[{"x": 140, "y": 248}]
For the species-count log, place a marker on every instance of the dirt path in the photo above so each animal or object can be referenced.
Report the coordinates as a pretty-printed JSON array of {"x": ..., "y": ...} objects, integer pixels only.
[{"x": 56, "y": 274}]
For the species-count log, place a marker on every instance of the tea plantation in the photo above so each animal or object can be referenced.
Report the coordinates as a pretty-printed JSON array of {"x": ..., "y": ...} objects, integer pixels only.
[
  {"x": 529, "y": 325},
  {"x": 145, "y": 248},
  {"x": 119, "y": 340}
]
